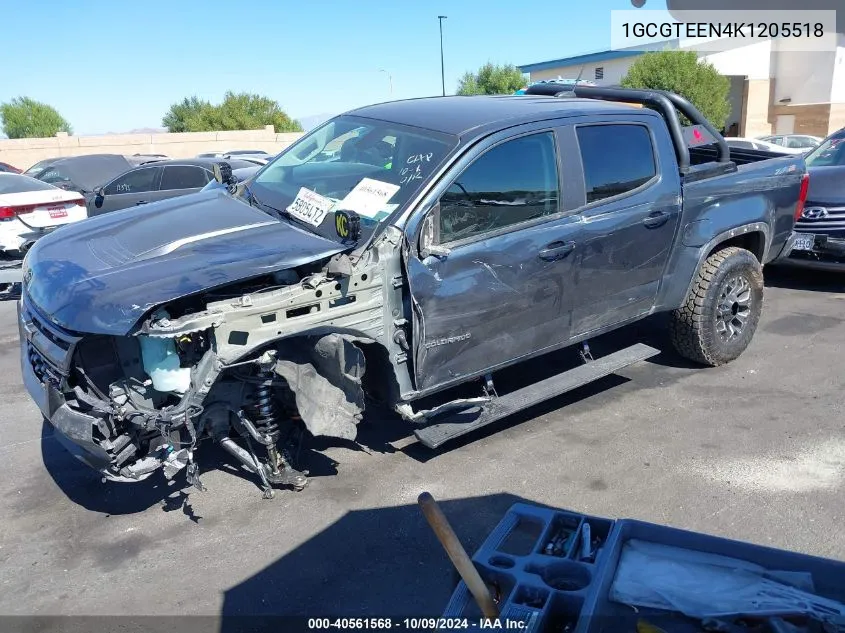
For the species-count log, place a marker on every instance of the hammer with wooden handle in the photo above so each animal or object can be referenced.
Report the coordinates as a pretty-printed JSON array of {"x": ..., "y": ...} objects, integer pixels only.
[{"x": 446, "y": 535}]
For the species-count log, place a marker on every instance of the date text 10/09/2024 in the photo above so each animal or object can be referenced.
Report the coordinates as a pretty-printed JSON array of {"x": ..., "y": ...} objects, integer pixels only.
[{"x": 415, "y": 624}]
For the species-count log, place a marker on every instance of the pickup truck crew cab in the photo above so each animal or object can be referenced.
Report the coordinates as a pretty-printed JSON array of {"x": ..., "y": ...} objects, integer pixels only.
[{"x": 393, "y": 253}]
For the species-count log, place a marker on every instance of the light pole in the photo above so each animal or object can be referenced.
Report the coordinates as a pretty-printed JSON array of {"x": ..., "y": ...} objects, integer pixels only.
[
  {"x": 442, "y": 67},
  {"x": 389, "y": 79}
]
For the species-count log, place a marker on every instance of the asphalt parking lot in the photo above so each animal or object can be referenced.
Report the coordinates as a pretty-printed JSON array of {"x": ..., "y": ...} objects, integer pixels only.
[{"x": 754, "y": 451}]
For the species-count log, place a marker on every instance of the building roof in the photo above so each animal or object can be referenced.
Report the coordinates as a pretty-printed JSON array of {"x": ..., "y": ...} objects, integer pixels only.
[
  {"x": 461, "y": 115},
  {"x": 600, "y": 56}
]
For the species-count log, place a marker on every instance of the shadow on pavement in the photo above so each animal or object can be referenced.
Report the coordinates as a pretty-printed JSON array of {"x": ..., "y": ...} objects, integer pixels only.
[
  {"x": 804, "y": 279},
  {"x": 378, "y": 562},
  {"x": 84, "y": 486}
]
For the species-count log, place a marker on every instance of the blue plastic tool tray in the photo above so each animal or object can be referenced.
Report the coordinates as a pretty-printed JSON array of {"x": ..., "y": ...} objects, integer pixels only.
[{"x": 564, "y": 594}]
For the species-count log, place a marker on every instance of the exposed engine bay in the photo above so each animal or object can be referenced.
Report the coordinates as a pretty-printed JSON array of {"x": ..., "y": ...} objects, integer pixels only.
[{"x": 255, "y": 366}]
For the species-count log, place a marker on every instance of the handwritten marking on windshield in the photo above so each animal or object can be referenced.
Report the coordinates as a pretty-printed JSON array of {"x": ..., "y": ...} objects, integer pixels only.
[
  {"x": 419, "y": 158},
  {"x": 409, "y": 174}
]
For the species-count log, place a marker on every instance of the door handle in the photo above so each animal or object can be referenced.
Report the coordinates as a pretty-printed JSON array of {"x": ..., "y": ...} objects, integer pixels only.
[
  {"x": 556, "y": 251},
  {"x": 140, "y": 202},
  {"x": 658, "y": 218}
]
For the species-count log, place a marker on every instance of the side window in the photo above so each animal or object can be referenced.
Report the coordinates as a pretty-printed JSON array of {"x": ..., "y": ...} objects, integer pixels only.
[
  {"x": 136, "y": 181},
  {"x": 183, "y": 177},
  {"x": 511, "y": 183},
  {"x": 617, "y": 159}
]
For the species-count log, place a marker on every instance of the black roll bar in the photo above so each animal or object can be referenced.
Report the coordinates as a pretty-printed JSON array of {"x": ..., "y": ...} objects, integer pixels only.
[
  {"x": 694, "y": 115},
  {"x": 667, "y": 103}
]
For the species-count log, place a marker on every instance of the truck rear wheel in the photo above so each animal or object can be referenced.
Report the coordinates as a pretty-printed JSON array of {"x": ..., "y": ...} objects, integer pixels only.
[{"x": 721, "y": 312}]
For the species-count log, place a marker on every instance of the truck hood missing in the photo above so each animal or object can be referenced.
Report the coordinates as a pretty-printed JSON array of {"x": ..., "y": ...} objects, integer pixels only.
[{"x": 102, "y": 275}]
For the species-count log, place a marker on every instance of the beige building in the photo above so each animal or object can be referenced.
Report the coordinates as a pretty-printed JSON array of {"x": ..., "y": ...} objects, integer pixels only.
[{"x": 773, "y": 90}]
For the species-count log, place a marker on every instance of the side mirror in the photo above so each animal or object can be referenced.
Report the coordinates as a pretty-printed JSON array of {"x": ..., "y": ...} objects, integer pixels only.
[
  {"x": 99, "y": 195},
  {"x": 430, "y": 235}
]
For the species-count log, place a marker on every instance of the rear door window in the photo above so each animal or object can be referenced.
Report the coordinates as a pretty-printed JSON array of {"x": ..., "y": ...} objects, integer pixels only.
[
  {"x": 617, "y": 159},
  {"x": 135, "y": 181},
  {"x": 184, "y": 177}
]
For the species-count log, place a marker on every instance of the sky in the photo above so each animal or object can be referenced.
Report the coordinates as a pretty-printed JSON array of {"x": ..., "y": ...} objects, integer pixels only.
[{"x": 111, "y": 66}]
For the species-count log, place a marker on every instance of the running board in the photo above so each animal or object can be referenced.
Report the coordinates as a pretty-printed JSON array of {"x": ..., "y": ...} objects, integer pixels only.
[{"x": 436, "y": 435}]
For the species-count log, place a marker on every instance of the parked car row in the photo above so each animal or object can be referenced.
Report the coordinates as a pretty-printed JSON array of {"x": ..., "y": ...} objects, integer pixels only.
[
  {"x": 779, "y": 143},
  {"x": 29, "y": 209},
  {"x": 759, "y": 144},
  {"x": 794, "y": 141},
  {"x": 153, "y": 182},
  {"x": 58, "y": 191},
  {"x": 257, "y": 156}
]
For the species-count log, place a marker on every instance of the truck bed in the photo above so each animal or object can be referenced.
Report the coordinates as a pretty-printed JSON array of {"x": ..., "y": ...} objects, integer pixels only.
[{"x": 709, "y": 153}]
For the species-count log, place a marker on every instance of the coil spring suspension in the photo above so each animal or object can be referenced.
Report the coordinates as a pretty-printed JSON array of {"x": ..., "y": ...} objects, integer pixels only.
[
  {"x": 279, "y": 470},
  {"x": 265, "y": 409}
]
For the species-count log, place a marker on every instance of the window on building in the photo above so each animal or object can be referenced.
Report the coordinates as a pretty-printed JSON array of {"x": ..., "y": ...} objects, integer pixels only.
[
  {"x": 616, "y": 158},
  {"x": 600, "y": 72}
]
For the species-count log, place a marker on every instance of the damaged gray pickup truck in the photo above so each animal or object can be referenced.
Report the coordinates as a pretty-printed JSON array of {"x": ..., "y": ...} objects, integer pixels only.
[{"x": 395, "y": 252}]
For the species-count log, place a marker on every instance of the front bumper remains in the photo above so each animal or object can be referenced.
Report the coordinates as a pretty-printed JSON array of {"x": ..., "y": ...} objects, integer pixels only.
[{"x": 45, "y": 360}]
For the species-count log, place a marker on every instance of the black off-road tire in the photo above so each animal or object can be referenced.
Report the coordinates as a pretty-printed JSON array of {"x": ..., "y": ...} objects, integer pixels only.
[{"x": 694, "y": 326}]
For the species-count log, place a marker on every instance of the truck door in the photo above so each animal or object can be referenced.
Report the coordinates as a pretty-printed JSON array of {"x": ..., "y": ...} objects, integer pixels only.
[
  {"x": 630, "y": 214},
  {"x": 495, "y": 285}
]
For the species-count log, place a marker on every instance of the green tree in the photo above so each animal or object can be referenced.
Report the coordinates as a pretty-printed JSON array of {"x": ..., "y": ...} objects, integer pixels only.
[
  {"x": 242, "y": 111},
  {"x": 491, "y": 79},
  {"x": 189, "y": 115},
  {"x": 681, "y": 72},
  {"x": 23, "y": 117}
]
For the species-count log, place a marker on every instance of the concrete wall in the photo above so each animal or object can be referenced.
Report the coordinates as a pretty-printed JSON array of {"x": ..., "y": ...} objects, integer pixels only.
[
  {"x": 755, "y": 112},
  {"x": 803, "y": 77},
  {"x": 812, "y": 119},
  {"x": 23, "y": 153}
]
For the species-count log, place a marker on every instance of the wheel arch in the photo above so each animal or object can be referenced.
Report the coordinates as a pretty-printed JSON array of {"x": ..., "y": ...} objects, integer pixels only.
[{"x": 753, "y": 237}]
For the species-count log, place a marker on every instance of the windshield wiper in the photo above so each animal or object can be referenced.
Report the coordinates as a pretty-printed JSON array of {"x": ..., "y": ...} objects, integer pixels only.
[{"x": 255, "y": 202}]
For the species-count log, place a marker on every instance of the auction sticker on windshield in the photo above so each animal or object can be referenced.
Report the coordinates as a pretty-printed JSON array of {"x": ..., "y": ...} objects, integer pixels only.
[
  {"x": 309, "y": 206},
  {"x": 368, "y": 198}
]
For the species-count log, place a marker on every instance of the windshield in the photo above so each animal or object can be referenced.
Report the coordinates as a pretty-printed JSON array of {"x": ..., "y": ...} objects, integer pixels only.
[
  {"x": 829, "y": 154},
  {"x": 363, "y": 166},
  {"x": 39, "y": 166},
  {"x": 57, "y": 177}
]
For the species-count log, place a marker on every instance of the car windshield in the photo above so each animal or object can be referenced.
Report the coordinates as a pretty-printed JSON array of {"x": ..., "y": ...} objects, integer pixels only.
[
  {"x": 829, "y": 154},
  {"x": 56, "y": 176},
  {"x": 39, "y": 166},
  {"x": 358, "y": 165}
]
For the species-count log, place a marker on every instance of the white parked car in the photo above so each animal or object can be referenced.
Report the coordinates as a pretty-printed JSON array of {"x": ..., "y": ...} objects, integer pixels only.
[
  {"x": 804, "y": 142},
  {"x": 754, "y": 143},
  {"x": 31, "y": 208}
]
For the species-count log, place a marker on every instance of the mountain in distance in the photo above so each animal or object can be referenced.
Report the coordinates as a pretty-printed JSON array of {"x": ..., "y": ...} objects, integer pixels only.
[{"x": 310, "y": 122}]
